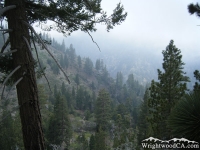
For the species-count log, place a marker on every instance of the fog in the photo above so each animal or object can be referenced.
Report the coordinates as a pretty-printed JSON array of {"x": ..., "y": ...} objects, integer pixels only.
[
  {"x": 149, "y": 25},
  {"x": 147, "y": 30}
]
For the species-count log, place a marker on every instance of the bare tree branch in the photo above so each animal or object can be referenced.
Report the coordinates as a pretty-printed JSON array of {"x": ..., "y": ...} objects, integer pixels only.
[
  {"x": 6, "y": 30},
  {"x": 11, "y": 74},
  {"x": 6, "y": 53},
  {"x": 3, "y": 10},
  {"x": 31, "y": 28},
  {"x": 39, "y": 62},
  {"x": 93, "y": 40},
  {"x": 8, "y": 78},
  {"x": 5, "y": 45},
  {"x": 13, "y": 87},
  {"x": 28, "y": 45}
]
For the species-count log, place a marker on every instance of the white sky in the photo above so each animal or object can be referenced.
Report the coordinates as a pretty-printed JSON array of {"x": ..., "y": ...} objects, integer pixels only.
[
  {"x": 153, "y": 23},
  {"x": 150, "y": 25}
]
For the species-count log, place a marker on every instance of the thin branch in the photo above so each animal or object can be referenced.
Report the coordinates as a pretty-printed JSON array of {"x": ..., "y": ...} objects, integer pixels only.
[
  {"x": 11, "y": 74},
  {"x": 3, "y": 37},
  {"x": 6, "y": 30},
  {"x": 32, "y": 29},
  {"x": 6, "y": 53},
  {"x": 3, "y": 10},
  {"x": 28, "y": 45},
  {"x": 2, "y": 92},
  {"x": 7, "y": 80},
  {"x": 3, "y": 33},
  {"x": 39, "y": 62},
  {"x": 44, "y": 16},
  {"x": 5, "y": 45},
  {"x": 59, "y": 66},
  {"x": 88, "y": 3},
  {"x": 72, "y": 16},
  {"x": 13, "y": 87},
  {"x": 93, "y": 40}
]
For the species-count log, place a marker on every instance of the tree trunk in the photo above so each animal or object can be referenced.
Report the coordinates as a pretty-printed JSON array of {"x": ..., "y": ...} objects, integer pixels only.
[{"x": 27, "y": 88}]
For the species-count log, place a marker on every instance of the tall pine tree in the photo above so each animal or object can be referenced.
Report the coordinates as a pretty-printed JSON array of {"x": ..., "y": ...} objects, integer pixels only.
[
  {"x": 69, "y": 16},
  {"x": 143, "y": 125},
  {"x": 60, "y": 126},
  {"x": 170, "y": 88},
  {"x": 102, "y": 112}
]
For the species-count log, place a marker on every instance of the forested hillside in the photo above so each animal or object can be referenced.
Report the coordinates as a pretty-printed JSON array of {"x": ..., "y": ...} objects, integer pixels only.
[
  {"x": 92, "y": 108},
  {"x": 54, "y": 98},
  {"x": 96, "y": 111}
]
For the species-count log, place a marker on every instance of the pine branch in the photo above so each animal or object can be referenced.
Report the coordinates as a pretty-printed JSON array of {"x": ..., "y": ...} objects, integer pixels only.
[
  {"x": 39, "y": 62},
  {"x": 31, "y": 28},
  {"x": 83, "y": 26}
]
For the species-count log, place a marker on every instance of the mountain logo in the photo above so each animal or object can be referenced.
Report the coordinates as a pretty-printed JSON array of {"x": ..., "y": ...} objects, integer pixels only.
[
  {"x": 152, "y": 139},
  {"x": 174, "y": 143}
]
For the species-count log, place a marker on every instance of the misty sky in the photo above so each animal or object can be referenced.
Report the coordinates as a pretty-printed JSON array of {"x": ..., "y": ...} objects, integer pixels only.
[{"x": 149, "y": 26}]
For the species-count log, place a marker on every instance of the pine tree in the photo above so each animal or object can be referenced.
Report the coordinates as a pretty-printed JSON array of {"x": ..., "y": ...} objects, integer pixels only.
[
  {"x": 79, "y": 61},
  {"x": 92, "y": 144},
  {"x": 72, "y": 53},
  {"x": 73, "y": 93},
  {"x": 68, "y": 18},
  {"x": 79, "y": 98},
  {"x": 119, "y": 80},
  {"x": 6, "y": 131},
  {"x": 29, "y": 105},
  {"x": 101, "y": 64},
  {"x": 82, "y": 142},
  {"x": 168, "y": 91},
  {"x": 63, "y": 46},
  {"x": 55, "y": 91},
  {"x": 77, "y": 79},
  {"x": 102, "y": 109},
  {"x": 60, "y": 126},
  {"x": 88, "y": 66},
  {"x": 97, "y": 65},
  {"x": 18, "y": 131},
  {"x": 100, "y": 139},
  {"x": 66, "y": 61},
  {"x": 44, "y": 105},
  {"x": 194, "y": 9},
  {"x": 197, "y": 84},
  {"x": 143, "y": 124},
  {"x": 131, "y": 81},
  {"x": 55, "y": 68}
]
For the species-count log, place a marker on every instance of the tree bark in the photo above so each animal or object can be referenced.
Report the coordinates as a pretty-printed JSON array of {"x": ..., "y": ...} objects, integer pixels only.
[{"x": 27, "y": 91}]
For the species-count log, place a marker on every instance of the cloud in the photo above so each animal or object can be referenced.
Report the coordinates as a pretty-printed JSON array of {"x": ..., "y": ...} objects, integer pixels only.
[{"x": 150, "y": 25}]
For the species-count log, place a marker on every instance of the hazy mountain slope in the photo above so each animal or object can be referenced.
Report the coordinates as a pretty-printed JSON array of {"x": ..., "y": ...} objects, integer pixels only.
[{"x": 142, "y": 62}]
